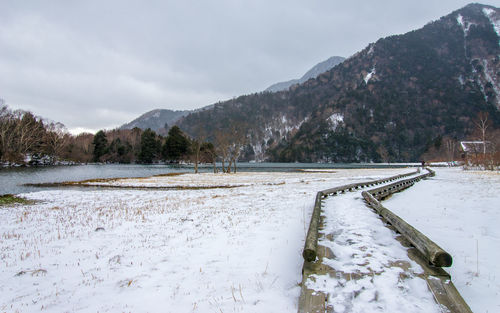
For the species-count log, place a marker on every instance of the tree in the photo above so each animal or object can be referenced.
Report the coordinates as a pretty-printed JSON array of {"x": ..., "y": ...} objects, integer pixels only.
[
  {"x": 29, "y": 133},
  {"x": 149, "y": 147},
  {"x": 56, "y": 138},
  {"x": 222, "y": 147},
  {"x": 208, "y": 154},
  {"x": 176, "y": 145},
  {"x": 196, "y": 145},
  {"x": 80, "y": 147},
  {"x": 482, "y": 123},
  {"x": 100, "y": 144},
  {"x": 238, "y": 136},
  {"x": 450, "y": 150}
]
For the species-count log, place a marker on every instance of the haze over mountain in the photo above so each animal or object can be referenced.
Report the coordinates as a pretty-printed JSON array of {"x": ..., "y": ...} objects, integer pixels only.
[
  {"x": 388, "y": 102},
  {"x": 312, "y": 73}
]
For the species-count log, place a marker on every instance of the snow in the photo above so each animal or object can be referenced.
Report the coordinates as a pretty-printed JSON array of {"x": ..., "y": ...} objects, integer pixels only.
[
  {"x": 334, "y": 120},
  {"x": 239, "y": 249},
  {"x": 461, "y": 80},
  {"x": 494, "y": 19},
  {"x": 138, "y": 250},
  {"x": 464, "y": 24},
  {"x": 368, "y": 254},
  {"x": 459, "y": 210},
  {"x": 460, "y": 20},
  {"x": 281, "y": 125},
  {"x": 372, "y": 49},
  {"x": 490, "y": 76},
  {"x": 369, "y": 75}
]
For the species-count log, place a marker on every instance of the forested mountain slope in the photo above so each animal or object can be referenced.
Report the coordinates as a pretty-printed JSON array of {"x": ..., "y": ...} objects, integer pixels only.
[{"x": 388, "y": 102}]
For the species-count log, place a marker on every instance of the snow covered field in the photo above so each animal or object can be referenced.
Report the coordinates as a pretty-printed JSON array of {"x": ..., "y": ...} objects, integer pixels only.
[
  {"x": 231, "y": 250},
  {"x": 460, "y": 211},
  {"x": 210, "y": 250}
]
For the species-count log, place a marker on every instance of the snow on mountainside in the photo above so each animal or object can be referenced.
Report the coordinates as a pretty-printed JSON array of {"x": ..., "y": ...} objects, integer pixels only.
[
  {"x": 276, "y": 129},
  {"x": 312, "y": 73},
  {"x": 397, "y": 97},
  {"x": 485, "y": 66},
  {"x": 156, "y": 119}
]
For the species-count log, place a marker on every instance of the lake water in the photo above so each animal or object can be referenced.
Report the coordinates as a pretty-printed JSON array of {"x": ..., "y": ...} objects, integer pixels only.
[{"x": 12, "y": 180}]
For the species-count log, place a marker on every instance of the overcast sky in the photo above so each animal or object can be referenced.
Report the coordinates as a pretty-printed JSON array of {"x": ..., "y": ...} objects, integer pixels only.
[{"x": 94, "y": 64}]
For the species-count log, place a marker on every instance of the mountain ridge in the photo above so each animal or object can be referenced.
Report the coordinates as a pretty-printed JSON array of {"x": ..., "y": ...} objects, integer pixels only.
[
  {"x": 156, "y": 120},
  {"x": 312, "y": 73},
  {"x": 388, "y": 102}
]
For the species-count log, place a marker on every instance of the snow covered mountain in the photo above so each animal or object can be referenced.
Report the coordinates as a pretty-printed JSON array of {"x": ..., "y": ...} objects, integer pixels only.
[
  {"x": 389, "y": 102},
  {"x": 312, "y": 73}
]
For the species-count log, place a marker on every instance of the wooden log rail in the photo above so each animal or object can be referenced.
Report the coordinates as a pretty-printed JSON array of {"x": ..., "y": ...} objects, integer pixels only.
[
  {"x": 425, "y": 252},
  {"x": 311, "y": 244},
  {"x": 384, "y": 191},
  {"x": 429, "y": 249}
]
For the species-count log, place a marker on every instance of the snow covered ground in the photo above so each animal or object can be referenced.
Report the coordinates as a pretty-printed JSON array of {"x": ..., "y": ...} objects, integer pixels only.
[
  {"x": 210, "y": 250},
  {"x": 460, "y": 211},
  {"x": 236, "y": 249}
]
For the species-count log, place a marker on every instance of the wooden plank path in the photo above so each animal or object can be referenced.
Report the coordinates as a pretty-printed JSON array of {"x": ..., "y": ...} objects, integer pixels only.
[{"x": 419, "y": 249}]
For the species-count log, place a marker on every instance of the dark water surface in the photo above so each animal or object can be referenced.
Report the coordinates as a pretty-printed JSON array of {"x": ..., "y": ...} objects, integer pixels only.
[{"x": 12, "y": 180}]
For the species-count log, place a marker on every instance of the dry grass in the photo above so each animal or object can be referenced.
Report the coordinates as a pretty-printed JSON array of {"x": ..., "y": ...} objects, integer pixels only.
[{"x": 12, "y": 199}]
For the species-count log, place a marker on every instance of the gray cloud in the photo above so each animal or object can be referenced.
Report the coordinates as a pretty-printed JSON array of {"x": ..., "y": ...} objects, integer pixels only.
[{"x": 98, "y": 64}]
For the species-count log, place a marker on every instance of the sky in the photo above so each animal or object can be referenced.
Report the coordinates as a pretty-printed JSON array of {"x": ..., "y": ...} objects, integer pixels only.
[{"x": 93, "y": 64}]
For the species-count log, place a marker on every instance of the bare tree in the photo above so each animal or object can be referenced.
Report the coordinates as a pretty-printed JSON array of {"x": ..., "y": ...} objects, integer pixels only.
[
  {"x": 482, "y": 123},
  {"x": 196, "y": 145},
  {"x": 222, "y": 147},
  {"x": 28, "y": 134},
  {"x": 238, "y": 141},
  {"x": 450, "y": 150},
  {"x": 6, "y": 131},
  {"x": 56, "y": 138}
]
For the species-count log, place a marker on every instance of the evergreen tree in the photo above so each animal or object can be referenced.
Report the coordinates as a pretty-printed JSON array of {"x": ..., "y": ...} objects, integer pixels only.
[
  {"x": 176, "y": 145},
  {"x": 100, "y": 144},
  {"x": 149, "y": 147}
]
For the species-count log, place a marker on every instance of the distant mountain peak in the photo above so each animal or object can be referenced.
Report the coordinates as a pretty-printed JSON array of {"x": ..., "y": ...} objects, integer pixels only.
[
  {"x": 392, "y": 101},
  {"x": 156, "y": 120},
  {"x": 314, "y": 72}
]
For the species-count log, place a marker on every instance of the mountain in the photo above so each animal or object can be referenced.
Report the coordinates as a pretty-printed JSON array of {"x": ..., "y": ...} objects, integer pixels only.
[
  {"x": 156, "y": 120},
  {"x": 400, "y": 95},
  {"x": 389, "y": 102},
  {"x": 312, "y": 73}
]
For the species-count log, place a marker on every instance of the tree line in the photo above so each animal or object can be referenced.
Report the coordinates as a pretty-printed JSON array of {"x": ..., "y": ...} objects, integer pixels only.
[{"x": 26, "y": 139}]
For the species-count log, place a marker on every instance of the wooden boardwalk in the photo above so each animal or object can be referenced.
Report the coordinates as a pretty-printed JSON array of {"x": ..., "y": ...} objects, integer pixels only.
[{"x": 317, "y": 256}]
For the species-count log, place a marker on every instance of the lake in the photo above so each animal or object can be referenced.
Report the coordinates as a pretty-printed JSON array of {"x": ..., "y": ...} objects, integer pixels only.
[{"x": 12, "y": 180}]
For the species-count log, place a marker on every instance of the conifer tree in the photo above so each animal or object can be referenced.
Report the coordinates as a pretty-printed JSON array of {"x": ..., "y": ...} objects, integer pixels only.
[{"x": 100, "y": 144}]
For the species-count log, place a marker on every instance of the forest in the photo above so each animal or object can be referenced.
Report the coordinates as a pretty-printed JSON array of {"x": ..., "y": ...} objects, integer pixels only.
[{"x": 29, "y": 140}]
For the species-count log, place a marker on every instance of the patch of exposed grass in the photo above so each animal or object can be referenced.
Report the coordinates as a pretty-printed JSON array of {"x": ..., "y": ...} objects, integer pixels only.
[
  {"x": 169, "y": 174},
  {"x": 12, "y": 199}
]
